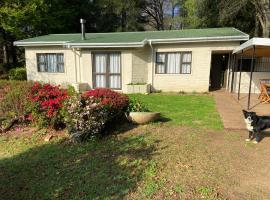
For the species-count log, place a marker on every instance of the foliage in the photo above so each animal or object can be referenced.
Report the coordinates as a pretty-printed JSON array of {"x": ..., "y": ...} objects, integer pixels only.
[
  {"x": 45, "y": 104},
  {"x": 117, "y": 103},
  {"x": 17, "y": 74},
  {"x": 85, "y": 117},
  {"x": 137, "y": 106},
  {"x": 13, "y": 100}
]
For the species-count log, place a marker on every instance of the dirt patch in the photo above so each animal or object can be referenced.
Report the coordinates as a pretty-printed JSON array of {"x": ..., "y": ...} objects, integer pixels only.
[{"x": 196, "y": 164}]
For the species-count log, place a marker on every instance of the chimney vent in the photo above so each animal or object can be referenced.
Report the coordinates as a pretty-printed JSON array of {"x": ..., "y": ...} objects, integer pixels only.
[{"x": 83, "y": 21}]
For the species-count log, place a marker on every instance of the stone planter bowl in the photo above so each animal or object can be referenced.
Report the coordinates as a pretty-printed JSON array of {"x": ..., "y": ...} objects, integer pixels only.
[{"x": 143, "y": 117}]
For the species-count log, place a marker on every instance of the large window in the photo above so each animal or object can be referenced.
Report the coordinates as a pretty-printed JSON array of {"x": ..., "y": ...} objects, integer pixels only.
[
  {"x": 107, "y": 70},
  {"x": 173, "y": 63},
  {"x": 50, "y": 62}
]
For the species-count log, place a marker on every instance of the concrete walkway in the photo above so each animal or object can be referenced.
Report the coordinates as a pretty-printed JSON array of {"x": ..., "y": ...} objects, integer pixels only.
[{"x": 229, "y": 110}]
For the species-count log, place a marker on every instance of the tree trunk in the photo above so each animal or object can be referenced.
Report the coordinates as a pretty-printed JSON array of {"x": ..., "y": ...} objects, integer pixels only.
[{"x": 5, "y": 48}]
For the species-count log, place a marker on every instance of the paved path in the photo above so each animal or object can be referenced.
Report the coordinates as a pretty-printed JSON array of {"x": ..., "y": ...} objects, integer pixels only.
[{"x": 229, "y": 110}]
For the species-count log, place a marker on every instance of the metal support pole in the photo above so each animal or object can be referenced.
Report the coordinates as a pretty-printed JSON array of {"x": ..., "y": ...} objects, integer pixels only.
[
  {"x": 251, "y": 74},
  {"x": 229, "y": 72},
  {"x": 233, "y": 70},
  {"x": 240, "y": 75}
]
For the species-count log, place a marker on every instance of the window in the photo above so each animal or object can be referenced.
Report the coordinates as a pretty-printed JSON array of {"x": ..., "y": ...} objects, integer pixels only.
[
  {"x": 50, "y": 62},
  {"x": 107, "y": 70},
  {"x": 173, "y": 63}
]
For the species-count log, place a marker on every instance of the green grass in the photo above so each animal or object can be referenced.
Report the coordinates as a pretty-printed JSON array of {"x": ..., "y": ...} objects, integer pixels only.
[
  {"x": 197, "y": 111},
  {"x": 107, "y": 169},
  {"x": 131, "y": 163}
]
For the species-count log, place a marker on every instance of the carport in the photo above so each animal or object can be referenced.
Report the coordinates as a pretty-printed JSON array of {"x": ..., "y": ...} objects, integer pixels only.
[{"x": 254, "y": 48}]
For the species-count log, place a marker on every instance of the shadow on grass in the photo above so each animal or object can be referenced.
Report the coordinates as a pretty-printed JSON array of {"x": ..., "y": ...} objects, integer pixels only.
[{"x": 105, "y": 169}]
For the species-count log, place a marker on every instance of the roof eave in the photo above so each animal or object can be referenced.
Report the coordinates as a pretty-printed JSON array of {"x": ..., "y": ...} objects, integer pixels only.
[
  {"x": 25, "y": 44},
  {"x": 200, "y": 39}
]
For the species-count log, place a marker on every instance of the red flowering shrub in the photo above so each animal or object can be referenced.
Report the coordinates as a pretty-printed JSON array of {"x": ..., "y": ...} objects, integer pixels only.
[
  {"x": 110, "y": 98},
  {"x": 46, "y": 102},
  {"x": 115, "y": 103}
]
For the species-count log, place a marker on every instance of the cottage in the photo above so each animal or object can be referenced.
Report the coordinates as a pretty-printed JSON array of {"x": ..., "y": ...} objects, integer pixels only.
[{"x": 178, "y": 60}]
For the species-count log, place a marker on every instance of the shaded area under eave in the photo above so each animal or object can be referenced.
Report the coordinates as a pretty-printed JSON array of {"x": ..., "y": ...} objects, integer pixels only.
[{"x": 255, "y": 47}]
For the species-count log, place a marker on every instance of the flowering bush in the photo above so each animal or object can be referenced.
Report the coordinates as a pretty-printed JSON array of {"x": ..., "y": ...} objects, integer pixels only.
[
  {"x": 115, "y": 102},
  {"x": 85, "y": 117},
  {"x": 45, "y": 104}
]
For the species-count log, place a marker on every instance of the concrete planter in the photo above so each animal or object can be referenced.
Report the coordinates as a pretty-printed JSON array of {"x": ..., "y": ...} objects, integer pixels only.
[
  {"x": 143, "y": 117},
  {"x": 139, "y": 89}
]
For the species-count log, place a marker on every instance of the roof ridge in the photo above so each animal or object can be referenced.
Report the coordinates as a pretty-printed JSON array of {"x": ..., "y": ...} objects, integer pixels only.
[{"x": 152, "y": 31}]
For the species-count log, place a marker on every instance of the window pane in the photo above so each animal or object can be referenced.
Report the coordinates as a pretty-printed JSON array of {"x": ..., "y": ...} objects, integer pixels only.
[
  {"x": 41, "y": 58},
  {"x": 100, "y": 63},
  {"x": 173, "y": 63},
  {"x": 186, "y": 57},
  {"x": 41, "y": 67},
  {"x": 60, "y": 67},
  {"x": 115, "y": 81},
  {"x": 100, "y": 81},
  {"x": 52, "y": 62},
  {"x": 186, "y": 69},
  {"x": 161, "y": 57},
  {"x": 60, "y": 58},
  {"x": 115, "y": 63},
  {"x": 160, "y": 68}
]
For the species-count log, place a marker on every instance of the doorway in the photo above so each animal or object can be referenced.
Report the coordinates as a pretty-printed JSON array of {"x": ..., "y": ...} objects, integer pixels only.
[{"x": 219, "y": 64}]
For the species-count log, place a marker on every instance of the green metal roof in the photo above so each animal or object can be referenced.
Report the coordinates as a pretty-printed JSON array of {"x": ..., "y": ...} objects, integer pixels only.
[{"x": 136, "y": 37}]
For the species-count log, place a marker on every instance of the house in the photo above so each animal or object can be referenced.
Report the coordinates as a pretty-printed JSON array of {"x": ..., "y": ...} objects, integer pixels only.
[{"x": 178, "y": 60}]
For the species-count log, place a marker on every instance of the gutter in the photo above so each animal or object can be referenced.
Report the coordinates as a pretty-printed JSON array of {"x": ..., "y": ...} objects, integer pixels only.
[
  {"x": 24, "y": 44},
  {"x": 69, "y": 44}
]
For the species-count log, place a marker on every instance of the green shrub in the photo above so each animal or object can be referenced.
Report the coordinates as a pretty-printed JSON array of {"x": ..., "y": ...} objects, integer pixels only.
[
  {"x": 85, "y": 117},
  {"x": 14, "y": 99},
  {"x": 137, "y": 106},
  {"x": 17, "y": 74}
]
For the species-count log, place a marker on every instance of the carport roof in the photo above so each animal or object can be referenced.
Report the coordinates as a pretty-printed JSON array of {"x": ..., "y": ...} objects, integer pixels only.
[{"x": 262, "y": 47}]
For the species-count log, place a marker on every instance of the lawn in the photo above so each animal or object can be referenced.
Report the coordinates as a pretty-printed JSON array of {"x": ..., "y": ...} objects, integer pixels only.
[
  {"x": 155, "y": 161},
  {"x": 192, "y": 110}
]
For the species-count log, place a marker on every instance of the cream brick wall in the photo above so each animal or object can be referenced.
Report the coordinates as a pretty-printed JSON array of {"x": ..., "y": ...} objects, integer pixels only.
[
  {"x": 198, "y": 80},
  {"x": 68, "y": 77},
  {"x": 137, "y": 66},
  {"x": 140, "y": 59},
  {"x": 245, "y": 78}
]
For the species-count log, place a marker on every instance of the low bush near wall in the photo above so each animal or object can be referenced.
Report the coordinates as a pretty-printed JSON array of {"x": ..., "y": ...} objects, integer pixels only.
[
  {"x": 17, "y": 74},
  {"x": 85, "y": 117},
  {"x": 13, "y": 101},
  {"x": 116, "y": 102},
  {"x": 90, "y": 114},
  {"x": 46, "y": 103}
]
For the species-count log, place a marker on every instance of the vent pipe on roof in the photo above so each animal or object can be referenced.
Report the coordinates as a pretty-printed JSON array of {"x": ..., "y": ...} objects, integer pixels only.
[{"x": 83, "y": 21}]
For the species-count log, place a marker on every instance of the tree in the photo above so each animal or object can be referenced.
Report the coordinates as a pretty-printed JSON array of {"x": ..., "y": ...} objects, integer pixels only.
[
  {"x": 154, "y": 12},
  {"x": 262, "y": 12}
]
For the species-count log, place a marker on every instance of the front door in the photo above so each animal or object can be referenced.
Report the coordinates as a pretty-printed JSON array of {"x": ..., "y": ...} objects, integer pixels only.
[{"x": 107, "y": 70}]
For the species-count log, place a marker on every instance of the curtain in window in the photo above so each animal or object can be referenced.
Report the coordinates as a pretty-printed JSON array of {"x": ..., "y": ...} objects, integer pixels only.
[
  {"x": 100, "y": 81},
  {"x": 52, "y": 62},
  {"x": 173, "y": 65},
  {"x": 41, "y": 61},
  {"x": 186, "y": 57},
  {"x": 115, "y": 68},
  {"x": 186, "y": 66},
  {"x": 60, "y": 61},
  {"x": 115, "y": 63},
  {"x": 160, "y": 66},
  {"x": 115, "y": 81},
  {"x": 100, "y": 63}
]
